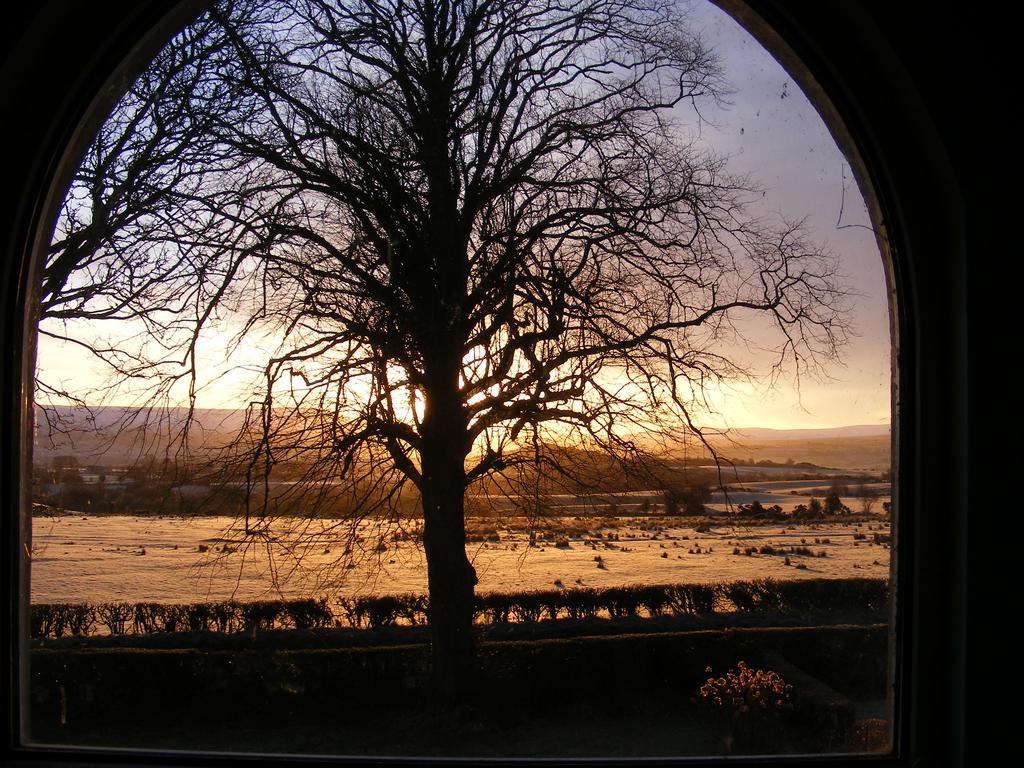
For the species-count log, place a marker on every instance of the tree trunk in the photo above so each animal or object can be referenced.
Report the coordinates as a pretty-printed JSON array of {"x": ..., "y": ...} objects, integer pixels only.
[{"x": 451, "y": 577}]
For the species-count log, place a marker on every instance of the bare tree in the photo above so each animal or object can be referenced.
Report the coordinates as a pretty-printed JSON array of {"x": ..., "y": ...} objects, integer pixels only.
[
  {"x": 148, "y": 240},
  {"x": 867, "y": 496},
  {"x": 479, "y": 233}
]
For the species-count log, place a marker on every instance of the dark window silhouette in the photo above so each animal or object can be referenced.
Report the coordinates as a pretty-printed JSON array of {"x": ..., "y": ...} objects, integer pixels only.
[{"x": 916, "y": 404}]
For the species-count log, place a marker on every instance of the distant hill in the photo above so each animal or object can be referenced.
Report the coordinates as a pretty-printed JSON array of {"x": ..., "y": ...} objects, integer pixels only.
[
  {"x": 759, "y": 434},
  {"x": 857, "y": 447},
  {"x": 115, "y": 436},
  {"x": 118, "y": 436}
]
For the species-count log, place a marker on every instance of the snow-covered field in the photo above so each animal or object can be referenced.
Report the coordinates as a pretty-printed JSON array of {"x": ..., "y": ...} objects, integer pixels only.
[
  {"x": 789, "y": 493},
  {"x": 786, "y": 493},
  {"x": 159, "y": 559}
]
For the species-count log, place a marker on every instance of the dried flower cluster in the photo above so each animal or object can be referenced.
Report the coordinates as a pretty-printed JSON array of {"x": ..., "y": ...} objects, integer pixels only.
[{"x": 747, "y": 690}]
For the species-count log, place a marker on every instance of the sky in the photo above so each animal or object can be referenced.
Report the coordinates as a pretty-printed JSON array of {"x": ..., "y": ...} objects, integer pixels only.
[{"x": 771, "y": 131}]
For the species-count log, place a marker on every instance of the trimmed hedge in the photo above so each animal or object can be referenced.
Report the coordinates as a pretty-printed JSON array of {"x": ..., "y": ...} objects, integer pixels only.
[
  {"x": 90, "y": 689},
  {"x": 815, "y": 596}
]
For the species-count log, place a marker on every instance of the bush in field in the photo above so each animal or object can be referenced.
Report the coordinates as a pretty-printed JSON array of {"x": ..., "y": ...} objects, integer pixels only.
[
  {"x": 58, "y": 619},
  {"x": 227, "y": 617},
  {"x": 744, "y": 690},
  {"x": 414, "y": 609},
  {"x": 495, "y": 608},
  {"x": 377, "y": 612},
  {"x": 174, "y": 618},
  {"x": 147, "y": 618},
  {"x": 868, "y": 497},
  {"x": 198, "y": 617},
  {"x": 757, "y": 510},
  {"x": 834, "y": 505},
  {"x": 839, "y": 488},
  {"x": 689, "y": 599},
  {"x": 40, "y": 618},
  {"x": 260, "y": 615},
  {"x": 754, "y": 595},
  {"x": 620, "y": 602},
  {"x": 347, "y": 611},
  {"x": 309, "y": 614},
  {"x": 114, "y": 616},
  {"x": 527, "y": 607},
  {"x": 653, "y": 599},
  {"x": 754, "y": 702},
  {"x": 550, "y": 602},
  {"x": 686, "y": 499},
  {"x": 813, "y": 510},
  {"x": 79, "y": 618},
  {"x": 573, "y": 603}
]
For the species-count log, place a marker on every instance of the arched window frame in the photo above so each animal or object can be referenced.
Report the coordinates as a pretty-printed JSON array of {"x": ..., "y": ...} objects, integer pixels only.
[{"x": 65, "y": 64}]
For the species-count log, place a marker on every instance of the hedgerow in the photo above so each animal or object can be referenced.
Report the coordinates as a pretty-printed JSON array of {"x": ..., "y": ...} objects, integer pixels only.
[{"x": 492, "y": 609}]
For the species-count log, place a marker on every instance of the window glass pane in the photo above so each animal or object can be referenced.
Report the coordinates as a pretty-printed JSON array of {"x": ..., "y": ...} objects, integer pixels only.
[{"x": 483, "y": 379}]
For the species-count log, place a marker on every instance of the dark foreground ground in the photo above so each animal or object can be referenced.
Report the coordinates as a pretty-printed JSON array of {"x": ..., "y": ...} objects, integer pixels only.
[
  {"x": 657, "y": 734},
  {"x": 618, "y": 695}
]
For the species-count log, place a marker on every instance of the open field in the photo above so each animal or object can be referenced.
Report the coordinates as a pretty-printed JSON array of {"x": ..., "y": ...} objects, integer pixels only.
[
  {"x": 175, "y": 560},
  {"x": 858, "y": 452}
]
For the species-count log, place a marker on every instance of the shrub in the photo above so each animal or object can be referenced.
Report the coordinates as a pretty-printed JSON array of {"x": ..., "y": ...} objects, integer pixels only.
[
  {"x": 834, "y": 505},
  {"x": 551, "y": 603},
  {"x": 40, "y": 619},
  {"x": 585, "y": 603},
  {"x": 309, "y": 614},
  {"x": 757, "y": 510},
  {"x": 758, "y": 594},
  {"x": 226, "y": 616},
  {"x": 744, "y": 690},
  {"x": 260, "y": 615},
  {"x": 653, "y": 599},
  {"x": 378, "y": 612},
  {"x": 114, "y": 616},
  {"x": 80, "y": 618},
  {"x": 753, "y": 701},
  {"x": 174, "y": 618},
  {"x": 526, "y": 607},
  {"x": 614, "y": 600},
  {"x": 348, "y": 610},
  {"x": 496, "y": 608},
  {"x": 56, "y": 619},
  {"x": 414, "y": 609},
  {"x": 147, "y": 617},
  {"x": 198, "y": 617},
  {"x": 688, "y": 599},
  {"x": 686, "y": 499}
]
